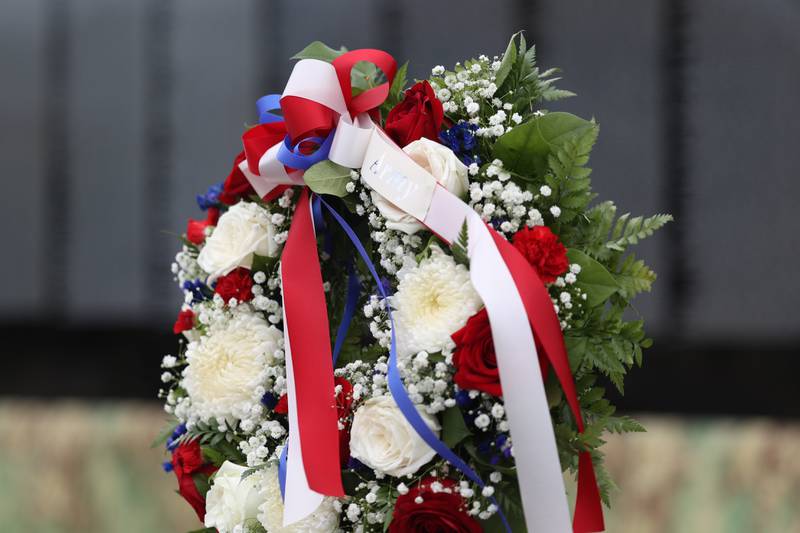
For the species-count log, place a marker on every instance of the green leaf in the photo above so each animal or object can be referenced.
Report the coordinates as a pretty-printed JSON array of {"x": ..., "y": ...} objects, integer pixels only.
[
  {"x": 164, "y": 434},
  {"x": 319, "y": 50},
  {"x": 213, "y": 456},
  {"x": 461, "y": 246},
  {"x": 509, "y": 59},
  {"x": 634, "y": 277},
  {"x": 454, "y": 430},
  {"x": 201, "y": 483},
  {"x": 594, "y": 279},
  {"x": 629, "y": 231},
  {"x": 526, "y": 149},
  {"x": 326, "y": 177},
  {"x": 396, "y": 89}
]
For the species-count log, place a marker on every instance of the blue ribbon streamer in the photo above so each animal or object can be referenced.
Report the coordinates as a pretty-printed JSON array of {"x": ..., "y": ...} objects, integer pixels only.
[
  {"x": 266, "y": 105},
  {"x": 396, "y": 386}
]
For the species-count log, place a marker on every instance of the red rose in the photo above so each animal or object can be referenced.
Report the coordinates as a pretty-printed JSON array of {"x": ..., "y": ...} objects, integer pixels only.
[
  {"x": 236, "y": 186},
  {"x": 474, "y": 357},
  {"x": 420, "y": 114},
  {"x": 236, "y": 284},
  {"x": 187, "y": 462},
  {"x": 439, "y": 511},
  {"x": 184, "y": 322},
  {"x": 196, "y": 229},
  {"x": 543, "y": 250}
]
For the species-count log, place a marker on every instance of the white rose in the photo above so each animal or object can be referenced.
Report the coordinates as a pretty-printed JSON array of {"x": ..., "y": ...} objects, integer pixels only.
[
  {"x": 231, "y": 500},
  {"x": 324, "y": 519},
  {"x": 382, "y": 439},
  {"x": 443, "y": 164},
  {"x": 243, "y": 230}
]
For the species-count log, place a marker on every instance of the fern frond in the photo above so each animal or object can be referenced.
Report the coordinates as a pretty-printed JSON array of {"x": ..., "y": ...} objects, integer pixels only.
[
  {"x": 630, "y": 231},
  {"x": 634, "y": 277}
]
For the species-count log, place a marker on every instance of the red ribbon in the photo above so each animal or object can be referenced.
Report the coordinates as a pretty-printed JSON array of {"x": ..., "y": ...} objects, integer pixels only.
[
  {"x": 588, "y": 516},
  {"x": 309, "y": 334}
]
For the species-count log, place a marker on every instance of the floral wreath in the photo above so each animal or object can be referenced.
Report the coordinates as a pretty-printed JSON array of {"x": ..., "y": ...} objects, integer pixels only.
[{"x": 352, "y": 356}]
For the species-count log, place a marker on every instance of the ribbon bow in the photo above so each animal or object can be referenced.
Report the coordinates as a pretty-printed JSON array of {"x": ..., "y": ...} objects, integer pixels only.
[{"x": 322, "y": 119}]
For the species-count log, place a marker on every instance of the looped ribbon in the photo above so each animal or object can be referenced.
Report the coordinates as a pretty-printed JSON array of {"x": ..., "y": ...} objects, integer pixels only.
[{"x": 321, "y": 118}]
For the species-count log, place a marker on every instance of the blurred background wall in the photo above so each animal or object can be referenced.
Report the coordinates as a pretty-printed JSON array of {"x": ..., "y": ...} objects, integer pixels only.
[{"x": 114, "y": 114}]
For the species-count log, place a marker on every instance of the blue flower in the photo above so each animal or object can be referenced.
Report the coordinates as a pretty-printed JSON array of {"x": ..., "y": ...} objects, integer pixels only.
[
  {"x": 200, "y": 291},
  {"x": 269, "y": 400},
  {"x": 172, "y": 441},
  {"x": 167, "y": 466},
  {"x": 462, "y": 141},
  {"x": 210, "y": 198},
  {"x": 462, "y": 398}
]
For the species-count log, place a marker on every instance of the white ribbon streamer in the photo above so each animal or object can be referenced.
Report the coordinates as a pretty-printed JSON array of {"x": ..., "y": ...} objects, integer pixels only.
[{"x": 408, "y": 186}]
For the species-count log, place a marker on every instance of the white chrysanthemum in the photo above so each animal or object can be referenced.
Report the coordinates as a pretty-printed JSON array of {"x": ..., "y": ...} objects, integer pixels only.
[
  {"x": 270, "y": 513},
  {"x": 228, "y": 365},
  {"x": 434, "y": 299}
]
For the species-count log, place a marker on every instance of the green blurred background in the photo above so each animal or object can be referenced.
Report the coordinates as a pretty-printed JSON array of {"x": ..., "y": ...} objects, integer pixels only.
[{"x": 68, "y": 467}]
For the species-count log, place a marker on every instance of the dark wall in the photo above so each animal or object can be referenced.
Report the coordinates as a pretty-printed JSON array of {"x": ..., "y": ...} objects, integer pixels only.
[{"x": 115, "y": 113}]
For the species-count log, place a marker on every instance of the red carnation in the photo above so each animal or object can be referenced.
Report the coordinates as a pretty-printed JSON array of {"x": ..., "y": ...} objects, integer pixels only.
[
  {"x": 420, "y": 114},
  {"x": 236, "y": 284},
  {"x": 444, "y": 510},
  {"x": 282, "y": 407},
  {"x": 344, "y": 408},
  {"x": 196, "y": 229},
  {"x": 188, "y": 462},
  {"x": 236, "y": 186},
  {"x": 184, "y": 322},
  {"x": 543, "y": 250},
  {"x": 474, "y": 357}
]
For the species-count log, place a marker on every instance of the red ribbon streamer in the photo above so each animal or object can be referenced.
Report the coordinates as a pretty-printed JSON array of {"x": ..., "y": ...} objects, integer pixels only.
[
  {"x": 309, "y": 335},
  {"x": 588, "y": 516}
]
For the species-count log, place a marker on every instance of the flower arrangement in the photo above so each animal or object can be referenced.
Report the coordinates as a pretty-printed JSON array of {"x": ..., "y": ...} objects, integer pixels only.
[{"x": 324, "y": 307}]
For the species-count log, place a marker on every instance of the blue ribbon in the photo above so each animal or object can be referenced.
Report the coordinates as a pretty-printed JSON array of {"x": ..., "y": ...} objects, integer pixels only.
[
  {"x": 292, "y": 157},
  {"x": 266, "y": 105},
  {"x": 396, "y": 386}
]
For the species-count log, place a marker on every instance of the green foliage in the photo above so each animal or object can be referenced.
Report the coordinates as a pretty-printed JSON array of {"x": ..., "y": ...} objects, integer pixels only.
[
  {"x": 628, "y": 231},
  {"x": 634, "y": 277},
  {"x": 319, "y": 50},
  {"x": 454, "y": 430},
  {"x": 519, "y": 80},
  {"x": 326, "y": 177},
  {"x": 603, "y": 236},
  {"x": 508, "y": 497},
  {"x": 165, "y": 433},
  {"x": 397, "y": 89},
  {"x": 528, "y": 149},
  {"x": 594, "y": 279},
  {"x": 461, "y": 246}
]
